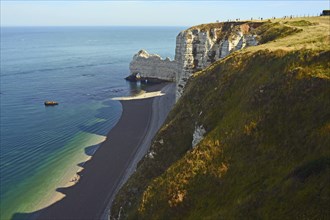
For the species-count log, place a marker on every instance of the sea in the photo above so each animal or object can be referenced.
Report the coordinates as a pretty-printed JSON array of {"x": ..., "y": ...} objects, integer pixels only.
[{"x": 81, "y": 68}]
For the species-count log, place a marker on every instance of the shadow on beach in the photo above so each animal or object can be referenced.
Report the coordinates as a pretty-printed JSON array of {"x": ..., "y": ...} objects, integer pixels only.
[
  {"x": 101, "y": 176},
  {"x": 102, "y": 113}
]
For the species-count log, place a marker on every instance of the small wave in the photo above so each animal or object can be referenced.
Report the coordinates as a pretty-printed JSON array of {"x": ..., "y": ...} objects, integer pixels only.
[
  {"x": 104, "y": 93},
  {"x": 88, "y": 74},
  {"x": 55, "y": 69}
]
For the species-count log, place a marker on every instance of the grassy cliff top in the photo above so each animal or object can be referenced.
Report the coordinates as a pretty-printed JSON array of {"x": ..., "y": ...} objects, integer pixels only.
[
  {"x": 314, "y": 35},
  {"x": 225, "y": 25},
  {"x": 265, "y": 154}
]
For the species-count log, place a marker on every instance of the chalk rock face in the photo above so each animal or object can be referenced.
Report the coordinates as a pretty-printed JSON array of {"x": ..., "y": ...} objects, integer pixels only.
[
  {"x": 198, "y": 135},
  {"x": 153, "y": 66},
  {"x": 198, "y": 47}
]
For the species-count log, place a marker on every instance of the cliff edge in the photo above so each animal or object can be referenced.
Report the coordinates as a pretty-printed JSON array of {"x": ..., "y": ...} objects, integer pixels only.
[
  {"x": 200, "y": 46},
  {"x": 249, "y": 138},
  {"x": 196, "y": 48}
]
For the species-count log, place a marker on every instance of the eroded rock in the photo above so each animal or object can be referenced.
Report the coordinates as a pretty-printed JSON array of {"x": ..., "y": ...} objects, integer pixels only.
[
  {"x": 151, "y": 67},
  {"x": 196, "y": 48}
]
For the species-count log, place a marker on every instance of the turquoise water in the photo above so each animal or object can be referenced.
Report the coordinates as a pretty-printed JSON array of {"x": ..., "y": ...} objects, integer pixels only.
[{"x": 80, "y": 67}]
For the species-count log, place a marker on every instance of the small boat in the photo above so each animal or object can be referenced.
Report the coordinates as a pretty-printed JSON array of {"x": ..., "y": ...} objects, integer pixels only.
[{"x": 47, "y": 103}]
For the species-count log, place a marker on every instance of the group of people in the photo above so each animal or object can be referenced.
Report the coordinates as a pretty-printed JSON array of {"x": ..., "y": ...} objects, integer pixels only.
[{"x": 260, "y": 18}]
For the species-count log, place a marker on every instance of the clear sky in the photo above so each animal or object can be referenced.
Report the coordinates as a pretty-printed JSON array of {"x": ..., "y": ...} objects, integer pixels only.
[{"x": 147, "y": 13}]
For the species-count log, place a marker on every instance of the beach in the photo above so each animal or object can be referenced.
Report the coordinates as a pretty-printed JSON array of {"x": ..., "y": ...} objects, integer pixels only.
[
  {"x": 42, "y": 147},
  {"x": 162, "y": 103},
  {"x": 114, "y": 161}
]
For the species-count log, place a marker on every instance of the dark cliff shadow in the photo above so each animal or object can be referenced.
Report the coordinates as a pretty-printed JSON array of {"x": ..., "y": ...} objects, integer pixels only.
[
  {"x": 90, "y": 150},
  {"x": 67, "y": 204},
  {"x": 103, "y": 113}
]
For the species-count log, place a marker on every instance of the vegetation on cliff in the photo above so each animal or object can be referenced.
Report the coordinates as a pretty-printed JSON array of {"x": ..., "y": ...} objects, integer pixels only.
[{"x": 266, "y": 151}]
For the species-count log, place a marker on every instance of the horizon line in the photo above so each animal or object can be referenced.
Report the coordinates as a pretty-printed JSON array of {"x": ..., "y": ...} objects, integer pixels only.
[{"x": 94, "y": 26}]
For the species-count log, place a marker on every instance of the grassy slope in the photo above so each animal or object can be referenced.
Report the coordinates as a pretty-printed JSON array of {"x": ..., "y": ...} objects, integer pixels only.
[{"x": 266, "y": 152}]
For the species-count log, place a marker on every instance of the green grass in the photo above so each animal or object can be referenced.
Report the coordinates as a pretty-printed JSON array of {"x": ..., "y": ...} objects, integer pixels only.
[
  {"x": 271, "y": 31},
  {"x": 300, "y": 23},
  {"x": 225, "y": 26},
  {"x": 314, "y": 167},
  {"x": 255, "y": 140},
  {"x": 266, "y": 151}
]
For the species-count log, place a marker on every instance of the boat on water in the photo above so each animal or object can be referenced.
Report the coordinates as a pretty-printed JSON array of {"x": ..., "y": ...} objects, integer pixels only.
[{"x": 50, "y": 103}]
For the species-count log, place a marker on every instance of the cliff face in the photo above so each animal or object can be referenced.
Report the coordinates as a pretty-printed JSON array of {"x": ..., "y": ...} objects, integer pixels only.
[
  {"x": 196, "y": 49},
  {"x": 152, "y": 66},
  {"x": 199, "y": 46}
]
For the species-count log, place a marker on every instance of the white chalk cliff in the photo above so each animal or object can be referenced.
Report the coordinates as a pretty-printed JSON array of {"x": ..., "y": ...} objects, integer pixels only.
[
  {"x": 196, "y": 48},
  {"x": 152, "y": 66},
  {"x": 198, "y": 135}
]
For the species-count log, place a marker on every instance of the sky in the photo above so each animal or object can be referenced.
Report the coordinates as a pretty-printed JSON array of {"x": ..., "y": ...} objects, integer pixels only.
[{"x": 147, "y": 13}]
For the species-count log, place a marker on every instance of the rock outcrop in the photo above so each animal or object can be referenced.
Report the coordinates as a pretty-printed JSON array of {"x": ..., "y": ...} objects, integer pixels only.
[
  {"x": 198, "y": 135},
  {"x": 199, "y": 46},
  {"x": 196, "y": 48},
  {"x": 147, "y": 66}
]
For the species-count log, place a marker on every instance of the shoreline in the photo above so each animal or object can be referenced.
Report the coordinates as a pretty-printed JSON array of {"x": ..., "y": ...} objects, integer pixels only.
[
  {"x": 114, "y": 161},
  {"x": 70, "y": 176},
  {"x": 44, "y": 193},
  {"x": 158, "y": 116}
]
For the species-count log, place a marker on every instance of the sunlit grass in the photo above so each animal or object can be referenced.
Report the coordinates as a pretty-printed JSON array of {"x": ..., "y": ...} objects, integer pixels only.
[{"x": 266, "y": 151}]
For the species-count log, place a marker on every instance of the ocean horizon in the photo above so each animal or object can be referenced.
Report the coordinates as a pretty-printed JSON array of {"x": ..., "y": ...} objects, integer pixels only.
[{"x": 80, "y": 67}]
